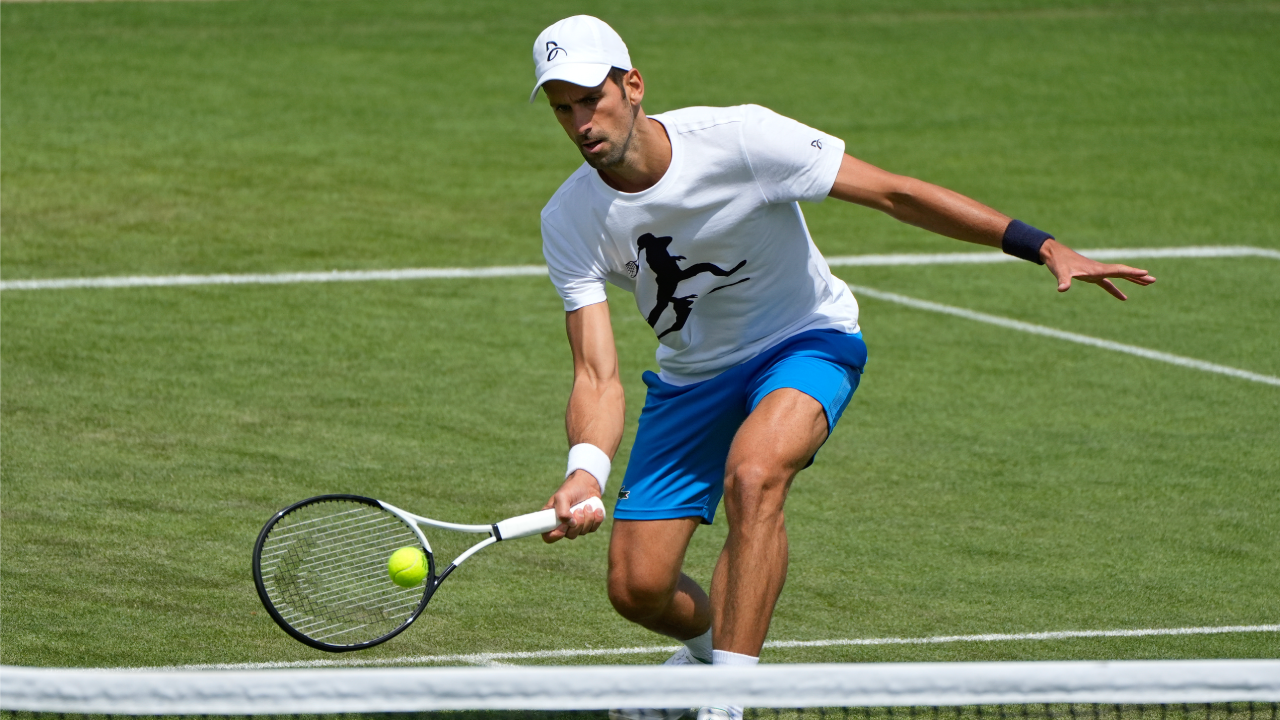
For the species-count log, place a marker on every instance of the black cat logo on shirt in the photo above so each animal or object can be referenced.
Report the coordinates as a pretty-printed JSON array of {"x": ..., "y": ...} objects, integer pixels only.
[{"x": 668, "y": 274}]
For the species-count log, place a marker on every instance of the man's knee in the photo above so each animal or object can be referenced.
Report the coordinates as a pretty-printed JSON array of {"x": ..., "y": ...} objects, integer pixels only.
[
  {"x": 756, "y": 491},
  {"x": 644, "y": 565},
  {"x": 639, "y": 598}
]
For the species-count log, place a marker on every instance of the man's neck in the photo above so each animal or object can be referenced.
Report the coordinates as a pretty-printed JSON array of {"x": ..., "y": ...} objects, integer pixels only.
[{"x": 646, "y": 161}]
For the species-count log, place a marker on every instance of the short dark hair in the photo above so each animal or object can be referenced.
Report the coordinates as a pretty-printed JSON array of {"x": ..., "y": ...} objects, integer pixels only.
[{"x": 616, "y": 74}]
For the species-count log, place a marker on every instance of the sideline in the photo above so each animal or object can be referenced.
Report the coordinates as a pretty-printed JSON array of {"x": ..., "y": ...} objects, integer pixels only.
[
  {"x": 496, "y": 658},
  {"x": 1142, "y": 352},
  {"x": 957, "y": 258}
]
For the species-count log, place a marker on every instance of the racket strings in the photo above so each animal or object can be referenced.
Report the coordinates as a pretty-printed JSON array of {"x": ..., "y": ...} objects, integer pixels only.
[
  {"x": 324, "y": 567},
  {"x": 341, "y": 524}
]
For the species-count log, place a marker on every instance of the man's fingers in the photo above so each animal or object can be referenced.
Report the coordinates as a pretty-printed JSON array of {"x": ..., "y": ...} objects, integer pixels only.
[
  {"x": 591, "y": 520},
  {"x": 1125, "y": 271},
  {"x": 572, "y": 523},
  {"x": 581, "y": 523},
  {"x": 568, "y": 528},
  {"x": 562, "y": 505},
  {"x": 1099, "y": 274},
  {"x": 1132, "y": 274},
  {"x": 586, "y": 521},
  {"x": 1144, "y": 280},
  {"x": 1111, "y": 288}
]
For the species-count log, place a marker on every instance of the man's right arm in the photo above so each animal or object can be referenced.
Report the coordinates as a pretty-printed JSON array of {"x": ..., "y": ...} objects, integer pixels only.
[
  {"x": 953, "y": 215},
  {"x": 595, "y": 413}
]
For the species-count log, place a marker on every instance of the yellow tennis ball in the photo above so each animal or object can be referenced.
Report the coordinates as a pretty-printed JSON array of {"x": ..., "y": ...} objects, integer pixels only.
[{"x": 407, "y": 566}]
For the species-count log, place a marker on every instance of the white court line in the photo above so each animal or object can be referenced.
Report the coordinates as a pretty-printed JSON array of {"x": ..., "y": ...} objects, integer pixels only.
[
  {"x": 967, "y": 258},
  {"x": 962, "y": 258},
  {"x": 851, "y": 260},
  {"x": 1064, "y": 335},
  {"x": 274, "y": 278},
  {"x": 495, "y": 658}
]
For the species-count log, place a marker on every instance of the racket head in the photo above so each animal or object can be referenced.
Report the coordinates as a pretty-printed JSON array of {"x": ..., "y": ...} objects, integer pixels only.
[{"x": 320, "y": 567}]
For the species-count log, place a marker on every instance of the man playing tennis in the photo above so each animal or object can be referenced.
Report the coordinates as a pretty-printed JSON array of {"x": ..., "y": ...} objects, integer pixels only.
[{"x": 696, "y": 212}]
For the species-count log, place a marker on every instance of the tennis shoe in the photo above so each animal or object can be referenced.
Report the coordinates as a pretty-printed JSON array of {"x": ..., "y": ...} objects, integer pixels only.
[
  {"x": 729, "y": 712},
  {"x": 681, "y": 657}
]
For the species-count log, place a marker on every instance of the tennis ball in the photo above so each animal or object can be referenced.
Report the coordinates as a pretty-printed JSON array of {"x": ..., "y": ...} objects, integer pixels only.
[{"x": 407, "y": 566}]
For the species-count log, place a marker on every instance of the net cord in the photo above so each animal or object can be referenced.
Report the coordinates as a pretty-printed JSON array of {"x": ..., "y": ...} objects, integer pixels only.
[{"x": 367, "y": 690}]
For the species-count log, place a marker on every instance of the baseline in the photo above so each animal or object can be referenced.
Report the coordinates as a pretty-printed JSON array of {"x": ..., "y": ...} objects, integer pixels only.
[
  {"x": 132, "y": 281},
  {"x": 967, "y": 258},
  {"x": 497, "y": 657},
  {"x": 957, "y": 258}
]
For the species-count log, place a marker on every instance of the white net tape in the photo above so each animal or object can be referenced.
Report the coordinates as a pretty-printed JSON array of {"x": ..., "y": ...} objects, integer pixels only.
[{"x": 260, "y": 692}]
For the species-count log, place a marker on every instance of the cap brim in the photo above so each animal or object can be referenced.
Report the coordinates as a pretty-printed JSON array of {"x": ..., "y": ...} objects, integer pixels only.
[{"x": 584, "y": 74}]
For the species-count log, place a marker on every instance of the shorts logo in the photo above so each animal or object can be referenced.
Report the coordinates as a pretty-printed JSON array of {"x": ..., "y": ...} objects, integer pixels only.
[
  {"x": 554, "y": 51},
  {"x": 624, "y": 494},
  {"x": 633, "y": 269},
  {"x": 817, "y": 144}
]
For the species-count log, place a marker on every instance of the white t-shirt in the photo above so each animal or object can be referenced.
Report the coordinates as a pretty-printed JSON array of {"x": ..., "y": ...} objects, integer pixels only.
[{"x": 717, "y": 252}]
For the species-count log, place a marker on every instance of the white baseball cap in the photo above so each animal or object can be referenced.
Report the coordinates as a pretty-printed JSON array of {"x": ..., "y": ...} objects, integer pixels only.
[{"x": 579, "y": 50}]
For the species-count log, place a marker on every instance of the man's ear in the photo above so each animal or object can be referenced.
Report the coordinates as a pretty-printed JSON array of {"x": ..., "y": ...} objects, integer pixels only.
[{"x": 635, "y": 86}]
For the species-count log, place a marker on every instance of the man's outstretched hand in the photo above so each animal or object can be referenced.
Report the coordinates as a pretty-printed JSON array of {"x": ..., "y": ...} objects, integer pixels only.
[
  {"x": 1067, "y": 264},
  {"x": 576, "y": 488}
]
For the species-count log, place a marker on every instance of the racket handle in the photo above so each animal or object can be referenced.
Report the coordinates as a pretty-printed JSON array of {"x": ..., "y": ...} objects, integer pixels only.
[{"x": 536, "y": 523}]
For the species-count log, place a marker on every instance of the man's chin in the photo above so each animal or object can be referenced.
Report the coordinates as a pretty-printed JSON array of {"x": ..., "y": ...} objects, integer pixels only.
[
  {"x": 601, "y": 160},
  {"x": 595, "y": 160}
]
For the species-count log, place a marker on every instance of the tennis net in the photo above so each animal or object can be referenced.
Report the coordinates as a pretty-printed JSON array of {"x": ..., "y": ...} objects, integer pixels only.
[{"x": 1122, "y": 690}]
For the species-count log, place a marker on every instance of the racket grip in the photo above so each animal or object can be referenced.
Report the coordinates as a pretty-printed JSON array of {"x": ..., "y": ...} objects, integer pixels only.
[{"x": 536, "y": 523}]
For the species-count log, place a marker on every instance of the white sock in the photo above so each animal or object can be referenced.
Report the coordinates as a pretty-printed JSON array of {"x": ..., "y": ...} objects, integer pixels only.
[
  {"x": 700, "y": 647},
  {"x": 724, "y": 657}
]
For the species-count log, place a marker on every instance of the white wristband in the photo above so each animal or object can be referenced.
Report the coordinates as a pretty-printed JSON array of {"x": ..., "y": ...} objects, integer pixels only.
[{"x": 585, "y": 456}]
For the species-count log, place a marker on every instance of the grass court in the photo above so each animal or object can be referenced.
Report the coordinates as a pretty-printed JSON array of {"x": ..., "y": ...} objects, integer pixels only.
[{"x": 983, "y": 480}]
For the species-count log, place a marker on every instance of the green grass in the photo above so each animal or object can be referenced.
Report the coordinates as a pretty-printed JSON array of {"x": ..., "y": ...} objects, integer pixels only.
[{"x": 983, "y": 481}]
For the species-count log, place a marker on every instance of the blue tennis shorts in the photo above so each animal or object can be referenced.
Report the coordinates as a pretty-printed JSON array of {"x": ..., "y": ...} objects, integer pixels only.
[{"x": 678, "y": 459}]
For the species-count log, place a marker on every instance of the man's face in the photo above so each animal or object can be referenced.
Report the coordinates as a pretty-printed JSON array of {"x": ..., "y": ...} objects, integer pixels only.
[{"x": 600, "y": 120}]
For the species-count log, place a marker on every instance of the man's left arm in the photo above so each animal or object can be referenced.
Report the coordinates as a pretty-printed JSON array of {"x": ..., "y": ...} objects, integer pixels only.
[{"x": 949, "y": 213}]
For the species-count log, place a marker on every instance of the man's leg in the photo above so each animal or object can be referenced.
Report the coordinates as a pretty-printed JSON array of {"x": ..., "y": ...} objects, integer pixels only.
[
  {"x": 647, "y": 588},
  {"x": 645, "y": 582},
  {"x": 774, "y": 443}
]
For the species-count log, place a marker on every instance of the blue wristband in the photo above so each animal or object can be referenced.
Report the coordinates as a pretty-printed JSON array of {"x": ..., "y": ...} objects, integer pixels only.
[{"x": 1023, "y": 241}]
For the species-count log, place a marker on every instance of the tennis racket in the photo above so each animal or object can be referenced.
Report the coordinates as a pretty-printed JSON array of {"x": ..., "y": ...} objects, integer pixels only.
[{"x": 320, "y": 566}]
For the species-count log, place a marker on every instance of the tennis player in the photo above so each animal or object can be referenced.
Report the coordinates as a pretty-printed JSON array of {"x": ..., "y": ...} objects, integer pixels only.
[{"x": 696, "y": 212}]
